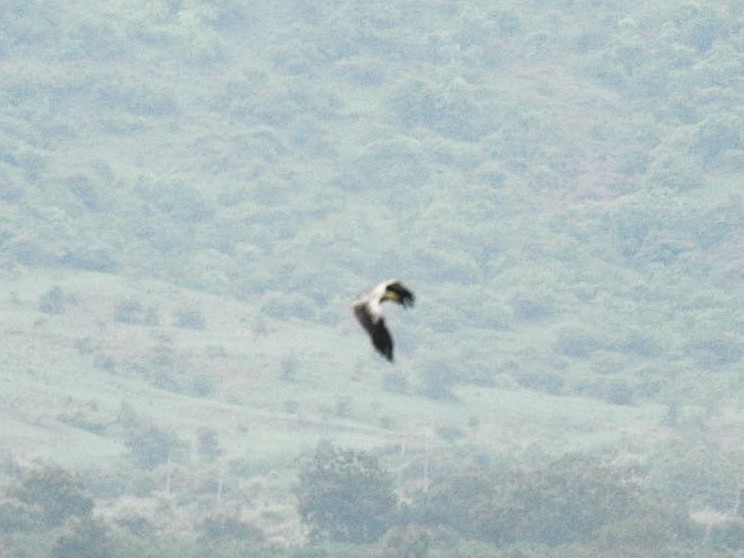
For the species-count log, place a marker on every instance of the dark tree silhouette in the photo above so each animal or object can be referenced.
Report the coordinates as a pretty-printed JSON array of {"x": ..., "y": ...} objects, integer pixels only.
[
  {"x": 346, "y": 496},
  {"x": 151, "y": 447},
  {"x": 87, "y": 538},
  {"x": 53, "y": 495}
]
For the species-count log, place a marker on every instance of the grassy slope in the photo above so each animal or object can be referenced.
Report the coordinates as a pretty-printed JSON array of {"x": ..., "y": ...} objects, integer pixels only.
[
  {"x": 54, "y": 390},
  {"x": 50, "y": 370}
]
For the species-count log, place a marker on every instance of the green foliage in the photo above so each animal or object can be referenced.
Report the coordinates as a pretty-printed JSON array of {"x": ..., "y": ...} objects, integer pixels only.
[
  {"x": 52, "y": 301},
  {"x": 16, "y": 516},
  {"x": 87, "y": 538},
  {"x": 568, "y": 502},
  {"x": 328, "y": 549},
  {"x": 468, "y": 503},
  {"x": 438, "y": 377},
  {"x": 288, "y": 368},
  {"x": 223, "y": 527},
  {"x": 287, "y": 306},
  {"x": 448, "y": 109},
  {"x": 208, "y": 444},
  {"x": 52, "y": 495},
  {"x": 345, "y": 495},
  {"x": 728, "y": 535},
  {"x": 151, "y": 447},
  {"x": 406, "y": 541},
  {"x": 132, "y": 311},
  {"x": 694, "y": 470},
  {"x": 203, "y": 385},
  {"x": 135, "y": 523},
  {"x": 190, "y": 318},
  {"x": 136, "y": 98}
]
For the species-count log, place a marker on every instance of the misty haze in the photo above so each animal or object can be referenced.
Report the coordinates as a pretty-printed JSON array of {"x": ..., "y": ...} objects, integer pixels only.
[{"x": 194, "y": 192}]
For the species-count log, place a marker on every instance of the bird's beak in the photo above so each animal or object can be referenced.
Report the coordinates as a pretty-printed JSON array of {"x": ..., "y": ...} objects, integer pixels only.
[{"x": 390, "y": 295}]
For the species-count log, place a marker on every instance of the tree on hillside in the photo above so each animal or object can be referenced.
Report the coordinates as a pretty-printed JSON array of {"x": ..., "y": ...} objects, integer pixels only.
[
  {"x": 346, "y": 496},
  {"x": 52, "y": 301},
  {"x": 87, "y": 538},
  {"x": 406, "y": 541},
  {"x": 569, "y": 501},
  {"x": 53, "y": 495},
  {"x": 468, "y": 502},
  {"x": 208, "y": 444},
  {"x": 190, "y": 318},
  {"x": 224, "y": 526},
  {"x": 151, "y": 447},
  {"x": 15, "y": 516}
]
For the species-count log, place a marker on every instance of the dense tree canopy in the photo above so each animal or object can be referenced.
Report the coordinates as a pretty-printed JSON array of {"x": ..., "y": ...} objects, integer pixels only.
[
  {"x": 346, "y": 496},
  {"x": 52, "y": 495}
]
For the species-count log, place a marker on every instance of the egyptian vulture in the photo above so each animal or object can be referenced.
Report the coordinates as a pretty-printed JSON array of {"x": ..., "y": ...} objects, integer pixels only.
[{"x": 367, "y": 309}]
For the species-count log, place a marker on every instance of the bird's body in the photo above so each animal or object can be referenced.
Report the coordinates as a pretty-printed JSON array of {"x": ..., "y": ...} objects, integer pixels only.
[{"x": 368, "y": 310}]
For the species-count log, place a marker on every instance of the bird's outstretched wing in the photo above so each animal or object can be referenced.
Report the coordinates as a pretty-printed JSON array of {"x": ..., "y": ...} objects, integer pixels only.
[
  {"x": 405, "y": 296},
  {"x": 375, "y": 327},
  {"x": 382, "y": 339}
]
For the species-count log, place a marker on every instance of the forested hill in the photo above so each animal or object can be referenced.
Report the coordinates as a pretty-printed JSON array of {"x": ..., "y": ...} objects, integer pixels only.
[
  {"x": 559, "y": 182},
  {"x": 192, "y": 191}
]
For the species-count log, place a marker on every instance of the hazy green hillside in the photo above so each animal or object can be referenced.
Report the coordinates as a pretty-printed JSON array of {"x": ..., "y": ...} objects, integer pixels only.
[{"x": 191, "y": 192}]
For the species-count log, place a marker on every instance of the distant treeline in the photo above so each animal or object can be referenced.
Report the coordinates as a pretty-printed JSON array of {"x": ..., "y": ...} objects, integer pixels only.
[{"x": 350, "y": 506}]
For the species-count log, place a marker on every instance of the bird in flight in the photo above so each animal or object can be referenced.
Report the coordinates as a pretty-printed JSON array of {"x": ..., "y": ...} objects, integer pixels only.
[{"x": 367, "y": 309}]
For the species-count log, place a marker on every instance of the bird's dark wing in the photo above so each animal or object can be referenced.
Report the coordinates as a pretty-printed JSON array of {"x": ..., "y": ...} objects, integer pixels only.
[
  {"x": 377, "y": 331},
  {"x": 382, "y": 340},
  {"x": 406, "y": 296}
]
